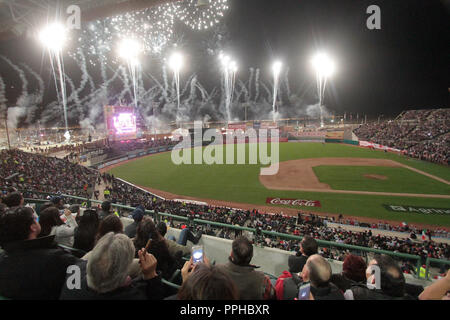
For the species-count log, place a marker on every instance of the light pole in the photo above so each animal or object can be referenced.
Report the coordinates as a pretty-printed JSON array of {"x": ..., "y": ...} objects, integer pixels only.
[
  {"x": 324, "y": 68},
  {"x": 276, "y": 69},
  {"x": 175, "y": 63}
]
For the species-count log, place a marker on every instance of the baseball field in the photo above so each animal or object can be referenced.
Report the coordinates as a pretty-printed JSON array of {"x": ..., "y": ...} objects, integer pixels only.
[{"x": 345, "y": 179}]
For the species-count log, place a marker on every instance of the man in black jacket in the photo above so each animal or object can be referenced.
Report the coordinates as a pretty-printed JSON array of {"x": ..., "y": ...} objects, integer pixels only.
[
  {"x": 308, "y": 247},
  {"x": 137, "y": 215},
  {"x": 30, "y": 267},
  {"x": 106, "y": 210}
]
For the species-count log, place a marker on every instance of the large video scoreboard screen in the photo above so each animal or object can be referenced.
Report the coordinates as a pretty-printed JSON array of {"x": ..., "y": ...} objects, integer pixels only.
[{"x": 120, "y": 123}]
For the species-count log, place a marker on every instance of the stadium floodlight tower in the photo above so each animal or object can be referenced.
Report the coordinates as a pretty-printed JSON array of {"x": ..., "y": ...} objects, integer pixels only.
[
  {"x": 129, "y": 50},
  {"x": 53, "y": 37},
  {"x": 276, "y": 69},
  {"x": 176, "y": 63},
  {"x": 324, "y": 68}
]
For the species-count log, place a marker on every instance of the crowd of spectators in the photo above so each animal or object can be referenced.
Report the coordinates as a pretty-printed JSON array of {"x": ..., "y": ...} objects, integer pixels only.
[
  {"x": 304, "y": 224},
  {"x": 119, "y": 267},
  {"x": 26, "y": 171},
  {"x": 422, "y": 134}
]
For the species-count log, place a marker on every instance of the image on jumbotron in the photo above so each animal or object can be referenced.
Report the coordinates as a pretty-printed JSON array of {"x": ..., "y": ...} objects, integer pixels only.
[{"x": 225, "y": 150}]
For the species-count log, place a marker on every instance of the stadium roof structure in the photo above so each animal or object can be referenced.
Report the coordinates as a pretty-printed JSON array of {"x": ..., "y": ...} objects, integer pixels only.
[{"x": 19, "y": 16}]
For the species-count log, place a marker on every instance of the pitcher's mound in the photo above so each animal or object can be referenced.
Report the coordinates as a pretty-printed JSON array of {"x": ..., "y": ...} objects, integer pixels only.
[{"x": 375, "y": 176}]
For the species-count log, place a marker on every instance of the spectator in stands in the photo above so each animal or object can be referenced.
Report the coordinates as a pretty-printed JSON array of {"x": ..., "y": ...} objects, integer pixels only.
[
  {"x": 14, "y": 199},
  {"x": 252, "y": 284},
  {"x": 52, "y": 224},
  {"x": 206, "y": 282},
  {"x": 84, "y": 236},
  {"x": 439, "y": 290},
  {"x": 110, "y": 223},
  {"x": 105, "y": 275},
  {"x": 137, "y": 215},
  {"x": 147, "y": 231},
  {"x": 174, "y": 248},
  {"x": 317, "y": 271},
  {"x": 187, "y": 235},
  {"x": 392, "y": 282},
  {"x": 308, "y": 247},
  {"x": 75, "y": 209},
  {"x": 3, "y": 208},
  {"x": 106, "y": 210},
  {"x": 44, "y": 206},
  {"x": 58, "y": 202},
  {"x": 33, "y": 268},
  {"x": 353, "y": 272}
]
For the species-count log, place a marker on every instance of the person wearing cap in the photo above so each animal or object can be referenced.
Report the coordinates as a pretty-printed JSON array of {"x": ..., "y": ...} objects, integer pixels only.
[{"x": 137, "y": 215}]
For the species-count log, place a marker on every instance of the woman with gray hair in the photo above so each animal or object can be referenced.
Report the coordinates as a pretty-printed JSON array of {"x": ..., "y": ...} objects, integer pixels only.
[{"x": 105, "y": 275}]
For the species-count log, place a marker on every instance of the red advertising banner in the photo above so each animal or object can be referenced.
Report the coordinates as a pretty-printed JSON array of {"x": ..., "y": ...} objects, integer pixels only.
[
  {"x": 294, "y": 202},
  {"x": 377, "y": 146},
  {"x": 308, "y": 134},
  {"x": 237, "y": 126}
]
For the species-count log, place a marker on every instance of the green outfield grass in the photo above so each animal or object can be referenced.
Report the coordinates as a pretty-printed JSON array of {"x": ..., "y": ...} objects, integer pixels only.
[
  {"x": 352, "y": 178},
  {"x": 240, "y": 183}
]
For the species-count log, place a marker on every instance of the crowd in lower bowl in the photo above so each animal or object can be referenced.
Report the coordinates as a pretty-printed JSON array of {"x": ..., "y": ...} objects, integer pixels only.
[
  {"x": 136, "y": 262},
  {"x": 422, "y": 134}
]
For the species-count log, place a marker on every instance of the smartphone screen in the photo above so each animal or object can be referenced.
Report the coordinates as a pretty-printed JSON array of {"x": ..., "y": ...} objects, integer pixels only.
[
  {"x": 197, "y": 254},
  {"x": 303, "y": 292}
]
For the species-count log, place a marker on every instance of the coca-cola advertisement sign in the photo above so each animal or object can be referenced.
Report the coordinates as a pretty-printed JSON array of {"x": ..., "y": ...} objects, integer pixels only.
[{"x": 293, "y": 202}]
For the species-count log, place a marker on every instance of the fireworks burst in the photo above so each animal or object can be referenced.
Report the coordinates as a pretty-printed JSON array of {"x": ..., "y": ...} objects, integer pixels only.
[
  {"x": 152, "y": 27},
  {"x": 201, "y": 14}
]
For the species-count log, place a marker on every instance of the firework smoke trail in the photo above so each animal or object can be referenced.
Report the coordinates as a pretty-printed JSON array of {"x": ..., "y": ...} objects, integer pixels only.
[
  {"x": 41, "y": 84},
  {"x": 133, "y": 68},
  {"x": 103, "y": 68},
  {"x": 257, "y": 85},
  {"x": 2, "y": 96},
  {"x": 250, "y": 80},
  {"x": 166, "y": 83},
  {"x": 126, "y": 84},
  {"x": 14, "y": 113},
  {"x": 286, "y": 82},
  {"x": 60, "y": 65},
  {"x": 85, "y": 76},
  {"x": 229, "y": 72}
]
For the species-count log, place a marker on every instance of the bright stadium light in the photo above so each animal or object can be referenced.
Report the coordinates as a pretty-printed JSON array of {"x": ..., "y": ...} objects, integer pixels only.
[
  {"x": 324, "y": 68},
  {"x": 129, "y": 49},
  {"x": 176, "y": 61},
  {"x": 53, "y": 36},
  {"x": 233, "y": 66},
  {"x": 276, "y": 68},
  {"x": 323, "y": 65}
]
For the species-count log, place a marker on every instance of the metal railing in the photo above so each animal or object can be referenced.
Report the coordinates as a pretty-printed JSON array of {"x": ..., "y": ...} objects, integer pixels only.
[{"x": 322, "y": 243}]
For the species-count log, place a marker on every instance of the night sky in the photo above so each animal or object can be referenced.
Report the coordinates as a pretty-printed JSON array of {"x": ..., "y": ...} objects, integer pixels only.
[{"x": 405, "y": 65}]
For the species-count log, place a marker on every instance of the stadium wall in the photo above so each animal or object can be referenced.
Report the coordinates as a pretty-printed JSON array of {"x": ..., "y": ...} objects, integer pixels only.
[{"x": 270, "y": 260}]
